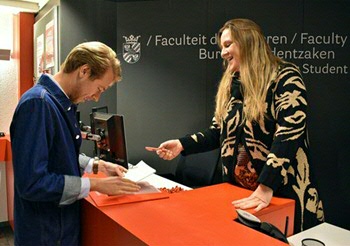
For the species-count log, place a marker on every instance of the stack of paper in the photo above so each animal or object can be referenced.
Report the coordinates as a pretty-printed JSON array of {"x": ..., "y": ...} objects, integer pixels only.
[{"x": 140, "y": 171}]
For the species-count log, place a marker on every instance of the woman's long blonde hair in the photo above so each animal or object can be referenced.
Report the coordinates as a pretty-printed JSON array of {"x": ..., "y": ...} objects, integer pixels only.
[{"x": 257, "y": 68}]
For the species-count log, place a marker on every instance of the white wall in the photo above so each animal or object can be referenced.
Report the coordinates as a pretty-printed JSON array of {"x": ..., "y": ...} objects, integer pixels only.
[
  {"x": 8, "y": 74},
  {"x": 8, "y": 97}
]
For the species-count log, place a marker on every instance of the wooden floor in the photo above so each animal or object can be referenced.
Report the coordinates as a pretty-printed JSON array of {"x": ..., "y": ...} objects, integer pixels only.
[{"x": 6, "y": 235}]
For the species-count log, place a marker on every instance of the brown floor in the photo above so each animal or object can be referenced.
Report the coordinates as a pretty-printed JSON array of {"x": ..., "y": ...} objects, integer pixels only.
[{"x": 6, "y": 235}]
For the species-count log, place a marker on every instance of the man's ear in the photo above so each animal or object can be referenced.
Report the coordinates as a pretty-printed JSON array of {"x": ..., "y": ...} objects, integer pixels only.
[{"x": 84, "y": 71}]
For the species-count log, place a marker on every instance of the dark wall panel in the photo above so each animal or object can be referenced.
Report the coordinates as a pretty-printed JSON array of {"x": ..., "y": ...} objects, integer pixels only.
[
  {"x": 329, "y": 115},
  {"x": 163, "y": 95}
]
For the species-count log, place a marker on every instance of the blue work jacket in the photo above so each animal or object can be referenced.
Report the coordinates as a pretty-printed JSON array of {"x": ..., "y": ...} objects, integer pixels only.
[{"x": 45, "y": 140}]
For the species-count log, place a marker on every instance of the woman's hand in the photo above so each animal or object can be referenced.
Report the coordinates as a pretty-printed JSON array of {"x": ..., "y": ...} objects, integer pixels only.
[
  {"x": 259, "y": 199},
  {"x": 168, "y": 150},
  {"x": 111, "y": 169}
]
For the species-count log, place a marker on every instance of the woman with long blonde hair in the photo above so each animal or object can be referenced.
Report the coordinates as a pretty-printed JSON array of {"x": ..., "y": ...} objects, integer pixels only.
[{"x": 260, "y": 125}]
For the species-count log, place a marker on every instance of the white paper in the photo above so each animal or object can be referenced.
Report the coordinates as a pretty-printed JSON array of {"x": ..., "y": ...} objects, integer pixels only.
[
  {"x": 138, "y": 172},
  {"x": 146, "y": 188}
]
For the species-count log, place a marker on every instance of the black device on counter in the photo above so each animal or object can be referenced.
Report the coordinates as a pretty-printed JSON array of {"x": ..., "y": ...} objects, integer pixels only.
[
  {"x": 112, "y": 145},
  {"x": 107, "y": 132},
  {"x": 252, "y": 221}
]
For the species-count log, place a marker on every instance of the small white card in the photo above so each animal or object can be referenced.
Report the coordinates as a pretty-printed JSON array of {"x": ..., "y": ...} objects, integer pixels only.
[{"x": 140, "y": 171}]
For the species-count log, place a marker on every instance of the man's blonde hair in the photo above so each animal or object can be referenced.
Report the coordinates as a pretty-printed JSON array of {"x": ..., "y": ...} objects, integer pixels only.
[
  {"x": 98, "y": 56},
  {"x": 257, "y": 68}
]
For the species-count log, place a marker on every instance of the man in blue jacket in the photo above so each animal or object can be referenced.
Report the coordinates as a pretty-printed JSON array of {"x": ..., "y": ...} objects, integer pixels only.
[{"x": 46, "y": 139}]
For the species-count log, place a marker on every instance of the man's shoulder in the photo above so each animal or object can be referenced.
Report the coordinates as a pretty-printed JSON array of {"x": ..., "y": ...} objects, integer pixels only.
[{"x": 36, "y": 92}]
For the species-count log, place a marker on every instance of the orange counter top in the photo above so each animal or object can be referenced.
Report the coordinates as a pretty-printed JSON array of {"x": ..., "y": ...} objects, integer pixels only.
[{"x": 203, "y": 216}]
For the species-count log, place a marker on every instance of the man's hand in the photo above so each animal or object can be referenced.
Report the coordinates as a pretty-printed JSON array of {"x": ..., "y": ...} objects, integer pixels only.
[
  {"x": 111, "y": 169},
  {"x": 113, "y": 186}
]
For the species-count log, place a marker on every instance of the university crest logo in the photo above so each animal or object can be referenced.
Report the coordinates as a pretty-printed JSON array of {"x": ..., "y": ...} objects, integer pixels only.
[{"x": 131, "y": 49}]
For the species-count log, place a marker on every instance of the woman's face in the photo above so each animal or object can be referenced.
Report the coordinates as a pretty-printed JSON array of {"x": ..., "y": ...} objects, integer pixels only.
[{"x": 230, "y": 51}]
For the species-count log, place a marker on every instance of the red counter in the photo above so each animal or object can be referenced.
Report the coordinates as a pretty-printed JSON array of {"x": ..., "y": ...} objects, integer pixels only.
[
  {"x": 202, "y": 216},
  {"x": 3, "y": 143},
  {"x": 6, "y": 156}
]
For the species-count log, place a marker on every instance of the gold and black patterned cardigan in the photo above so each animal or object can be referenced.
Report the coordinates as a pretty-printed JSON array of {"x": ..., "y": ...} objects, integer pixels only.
[{"x": 278, "y": 147}]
